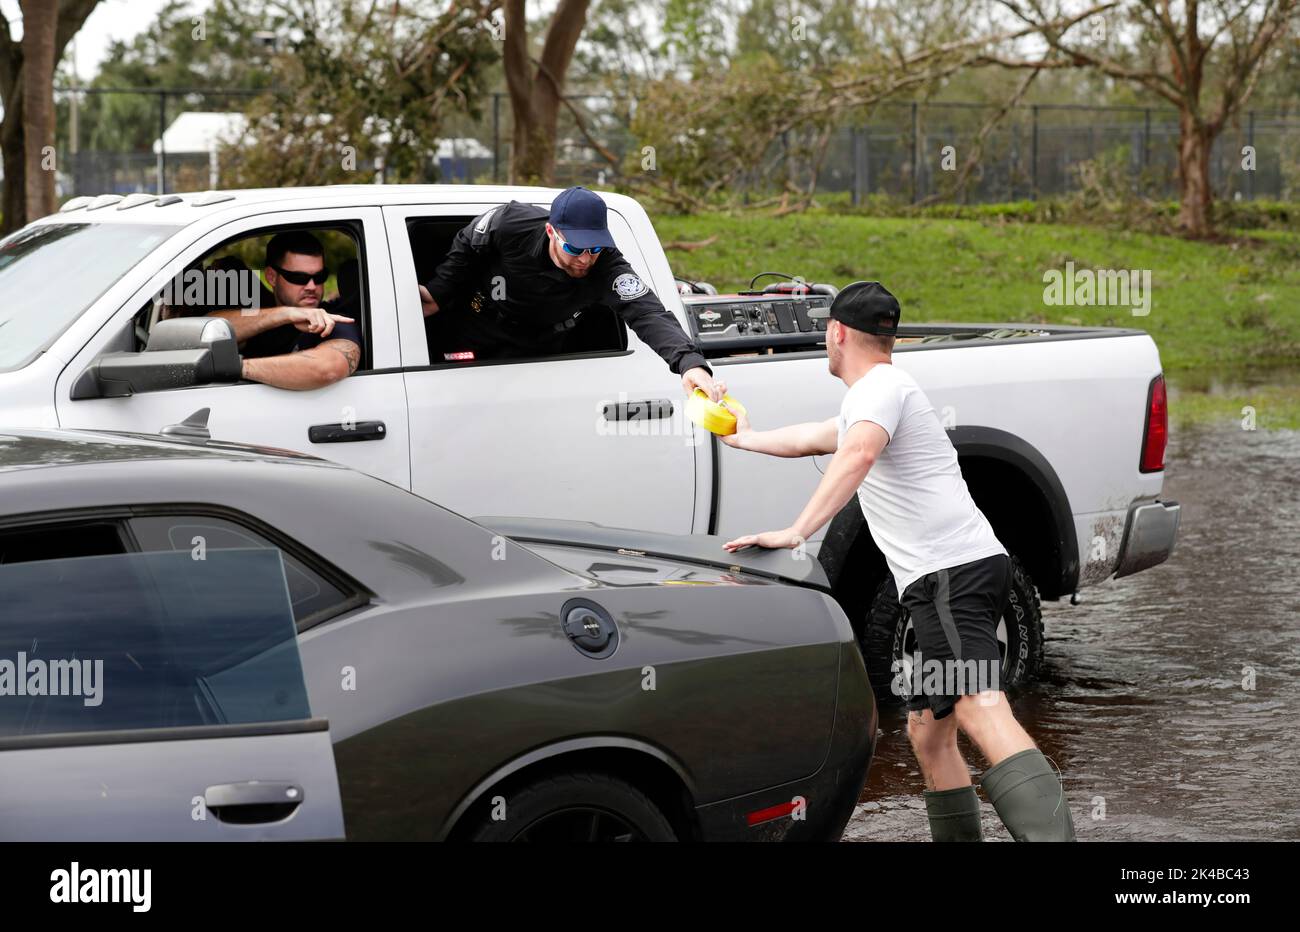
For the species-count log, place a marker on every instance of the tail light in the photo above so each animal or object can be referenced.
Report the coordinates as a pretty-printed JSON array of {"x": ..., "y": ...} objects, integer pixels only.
[
  {"x": 1156, "y": 433},
  {"x": 771, "y": 813}
]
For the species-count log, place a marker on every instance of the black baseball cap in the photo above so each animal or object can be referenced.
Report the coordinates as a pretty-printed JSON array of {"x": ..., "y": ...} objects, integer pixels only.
[
  {"x": 579, "y": 215},
  {"x": 865, "y": 306}
]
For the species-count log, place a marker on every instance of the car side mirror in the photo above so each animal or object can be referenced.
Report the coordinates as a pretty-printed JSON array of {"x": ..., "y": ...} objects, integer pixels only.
[{"x": 180, "y": 353}]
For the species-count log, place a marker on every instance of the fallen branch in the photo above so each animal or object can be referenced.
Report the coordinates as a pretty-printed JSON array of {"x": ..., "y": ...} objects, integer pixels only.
[{"x": 692, "y": 246}]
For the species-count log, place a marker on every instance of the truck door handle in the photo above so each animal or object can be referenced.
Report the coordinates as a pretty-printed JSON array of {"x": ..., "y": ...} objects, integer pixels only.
[
  {"x": 253, "y": 801},
  {"x": 347, "y": 433},
  {"x": 639, "y": 410}
]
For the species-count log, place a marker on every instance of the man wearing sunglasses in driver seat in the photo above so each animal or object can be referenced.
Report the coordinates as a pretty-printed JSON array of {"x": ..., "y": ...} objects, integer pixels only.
[
  {"x": 293, "y": 340},
  {"x": 518, "y": 277}
]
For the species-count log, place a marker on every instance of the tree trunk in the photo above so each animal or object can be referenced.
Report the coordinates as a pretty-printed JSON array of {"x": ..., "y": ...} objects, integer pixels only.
[
  {"x": 14, "y": 201},
  {"x": 68, "y": 17},
  {"x": 535, "y": 93},
  {"x": 533, "y": 160},
  {"x": 40, "y": 21},
  {"x": 1194, "y": 143}
]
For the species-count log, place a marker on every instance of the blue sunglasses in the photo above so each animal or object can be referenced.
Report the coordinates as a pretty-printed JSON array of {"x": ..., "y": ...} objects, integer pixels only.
[{"x": 594, "y": 250}]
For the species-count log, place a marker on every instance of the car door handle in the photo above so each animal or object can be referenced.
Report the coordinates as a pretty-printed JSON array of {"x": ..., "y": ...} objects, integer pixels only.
[
  {"x": 639, "y": 410},
  {"x": 347, "y": 433},
  {"x": 253, "y": 801}
]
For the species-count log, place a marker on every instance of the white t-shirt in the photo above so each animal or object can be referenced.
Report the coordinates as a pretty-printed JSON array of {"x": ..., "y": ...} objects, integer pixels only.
[{"x": 915, "y": 500}]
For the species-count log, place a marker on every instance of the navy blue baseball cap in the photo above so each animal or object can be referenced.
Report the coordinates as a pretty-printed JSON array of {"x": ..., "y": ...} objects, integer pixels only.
[{"x": 579, "y": 215}]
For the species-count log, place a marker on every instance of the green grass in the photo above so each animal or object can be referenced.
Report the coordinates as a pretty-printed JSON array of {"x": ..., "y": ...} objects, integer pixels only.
[{"x": 1231, "y": 310}]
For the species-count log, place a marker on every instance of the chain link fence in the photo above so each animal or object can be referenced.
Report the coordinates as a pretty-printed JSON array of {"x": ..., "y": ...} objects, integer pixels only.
[{"x": 917, "y": 152}]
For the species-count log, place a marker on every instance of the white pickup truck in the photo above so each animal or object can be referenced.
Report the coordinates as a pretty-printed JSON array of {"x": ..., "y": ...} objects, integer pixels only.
[{"x": 1060, "y": 430}]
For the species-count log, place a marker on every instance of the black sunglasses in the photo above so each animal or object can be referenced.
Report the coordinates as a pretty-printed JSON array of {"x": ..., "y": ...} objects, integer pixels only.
[{"x": 302, "y": 278}]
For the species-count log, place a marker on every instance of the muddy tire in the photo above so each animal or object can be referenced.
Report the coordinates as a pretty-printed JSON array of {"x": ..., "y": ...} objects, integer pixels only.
[{"x": 886, "y": 637}]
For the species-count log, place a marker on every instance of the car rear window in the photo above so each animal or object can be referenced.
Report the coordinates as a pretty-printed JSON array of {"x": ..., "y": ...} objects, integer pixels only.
[{"x": 310, "y": 593}]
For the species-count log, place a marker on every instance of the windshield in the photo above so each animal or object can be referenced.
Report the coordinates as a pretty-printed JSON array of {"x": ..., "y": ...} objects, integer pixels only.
[{"x": 50, "y": 274}]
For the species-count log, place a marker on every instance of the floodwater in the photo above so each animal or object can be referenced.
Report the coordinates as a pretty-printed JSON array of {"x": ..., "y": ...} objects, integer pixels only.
[{"x": 1168, "y": 699}]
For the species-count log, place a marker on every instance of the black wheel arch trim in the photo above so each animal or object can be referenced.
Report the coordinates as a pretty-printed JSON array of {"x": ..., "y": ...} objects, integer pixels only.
[
  {"x": 1006, "y": 447},
  {"x": 559, "y": 749}
]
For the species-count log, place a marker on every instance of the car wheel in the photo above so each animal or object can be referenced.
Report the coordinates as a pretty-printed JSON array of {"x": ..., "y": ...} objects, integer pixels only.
[
  {"x": 577, "y": 807},
  {"x": 888, "y": 641}
]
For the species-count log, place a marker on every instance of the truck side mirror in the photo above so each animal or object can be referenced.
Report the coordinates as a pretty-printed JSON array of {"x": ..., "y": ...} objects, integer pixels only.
[{"x": 180, "y": 353}]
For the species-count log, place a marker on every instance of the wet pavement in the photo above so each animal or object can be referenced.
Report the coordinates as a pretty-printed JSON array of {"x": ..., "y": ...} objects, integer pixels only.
[{"x": 1143, "y": 703}]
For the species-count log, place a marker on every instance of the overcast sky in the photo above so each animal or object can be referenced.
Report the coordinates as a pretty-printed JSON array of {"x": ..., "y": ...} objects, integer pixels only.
[{"x": 112, "y": 19}]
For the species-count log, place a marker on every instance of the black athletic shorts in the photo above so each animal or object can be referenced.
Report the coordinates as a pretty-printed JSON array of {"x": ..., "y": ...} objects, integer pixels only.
[{"x": 955, "y": 614}]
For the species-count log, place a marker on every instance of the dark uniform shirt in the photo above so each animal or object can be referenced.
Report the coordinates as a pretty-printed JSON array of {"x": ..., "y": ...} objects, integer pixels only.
[{"x": 500, "y": 264}]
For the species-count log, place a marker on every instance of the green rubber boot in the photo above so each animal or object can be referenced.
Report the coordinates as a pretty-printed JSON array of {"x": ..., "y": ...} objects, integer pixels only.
[
  {"x": 954, "y": 814},
  {"x": 1029, "y": 798}
]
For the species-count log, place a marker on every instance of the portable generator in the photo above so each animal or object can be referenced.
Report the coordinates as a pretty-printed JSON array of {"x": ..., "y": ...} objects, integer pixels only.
[{"x": 774, "y": 319}]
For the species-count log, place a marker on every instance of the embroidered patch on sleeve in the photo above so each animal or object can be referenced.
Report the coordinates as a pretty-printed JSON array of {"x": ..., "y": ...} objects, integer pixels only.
[{"x": 629, "y": 286}]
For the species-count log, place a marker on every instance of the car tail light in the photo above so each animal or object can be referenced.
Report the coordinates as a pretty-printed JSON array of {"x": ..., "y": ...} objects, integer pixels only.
[
  {"x": 1156, "y": 433},
  {"x": 771, "y": 813}
]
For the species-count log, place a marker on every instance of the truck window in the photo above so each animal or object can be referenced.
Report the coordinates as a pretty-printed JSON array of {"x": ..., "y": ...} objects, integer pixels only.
[
  {"x": 233, "y": 276},
  {"x": 598, "y": 329}
]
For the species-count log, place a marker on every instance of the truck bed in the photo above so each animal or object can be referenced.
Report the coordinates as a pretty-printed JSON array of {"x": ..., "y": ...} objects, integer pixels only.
[{"x": 931, "y": 335}]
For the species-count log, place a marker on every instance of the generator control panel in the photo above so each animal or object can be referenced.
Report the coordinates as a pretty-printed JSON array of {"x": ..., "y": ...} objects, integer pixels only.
[{"x": 740, "y": 322}]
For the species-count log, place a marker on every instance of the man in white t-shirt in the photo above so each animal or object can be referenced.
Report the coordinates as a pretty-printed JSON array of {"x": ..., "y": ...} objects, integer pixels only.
[{"x": 951, "y": 571}]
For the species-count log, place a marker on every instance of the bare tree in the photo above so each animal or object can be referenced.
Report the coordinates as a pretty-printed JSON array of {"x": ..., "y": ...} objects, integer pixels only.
[
  {"x": 712, "y": 135},
  {"x": 537, "y": 86},
  {"x": 1205, "y": 58},
  {"x": 27, "y": 83}
]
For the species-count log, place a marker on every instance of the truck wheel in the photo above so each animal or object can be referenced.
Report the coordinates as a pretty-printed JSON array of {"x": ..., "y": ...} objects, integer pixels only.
[
  {"x": 888, "y": 642},
  {"x": 577, "y": 807}
]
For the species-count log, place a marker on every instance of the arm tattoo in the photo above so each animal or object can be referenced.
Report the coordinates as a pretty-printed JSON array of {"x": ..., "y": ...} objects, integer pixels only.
[{"x": 351, "y": 352}]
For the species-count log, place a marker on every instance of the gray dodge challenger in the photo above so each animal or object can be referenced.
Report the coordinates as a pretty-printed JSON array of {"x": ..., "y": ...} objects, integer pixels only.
[{"x": 207, "y": 641}]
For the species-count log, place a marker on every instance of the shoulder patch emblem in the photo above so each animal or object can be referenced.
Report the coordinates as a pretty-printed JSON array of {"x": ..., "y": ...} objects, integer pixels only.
[
  {"x": 483, "y": 221},
  {"x": 629, "y": 286}
]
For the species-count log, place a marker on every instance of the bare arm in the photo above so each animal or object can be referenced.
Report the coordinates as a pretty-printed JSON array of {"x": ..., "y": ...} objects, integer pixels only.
[
  {"x": 796, "y": 440},
  {"x": 862, "y": 445},
  {"x": 317, "y": 367},
  {"x": 249, "y": 322}
]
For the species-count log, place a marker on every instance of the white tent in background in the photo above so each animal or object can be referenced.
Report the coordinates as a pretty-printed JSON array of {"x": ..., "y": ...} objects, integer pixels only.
[
  {"x": 199, "y": 133},
  {"x": 465, "y": 147}
]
